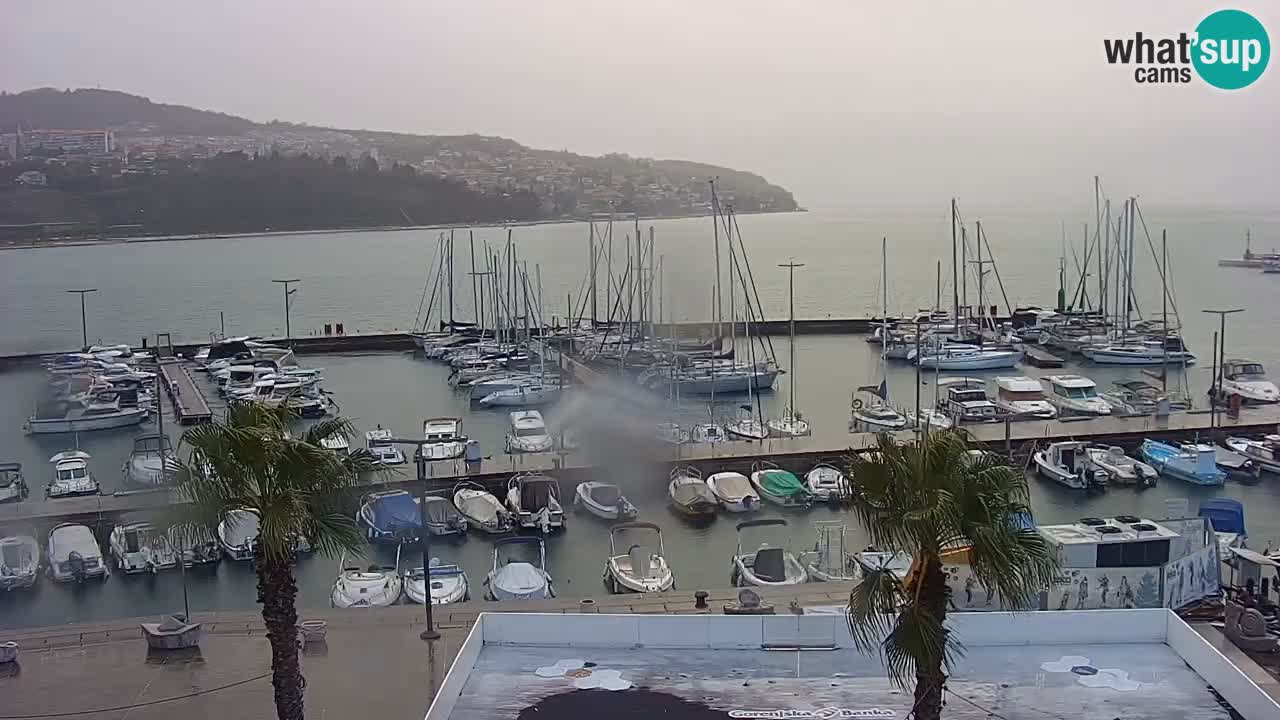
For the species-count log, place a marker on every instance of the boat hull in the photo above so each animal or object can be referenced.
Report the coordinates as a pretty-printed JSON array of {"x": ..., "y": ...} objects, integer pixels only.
[
  {"x": 37, "y": 426},
  {"x": 729, "y": 384},
  {"x": 982, "y": 361}
]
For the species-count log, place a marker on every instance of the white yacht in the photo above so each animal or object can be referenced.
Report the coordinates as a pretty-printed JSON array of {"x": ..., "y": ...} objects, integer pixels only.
[
  {"x": 83, "y": 414},
  {"x": 1136, "y": 353},
  {"x": 139, "y": 548},
  {"x": 378, "y": 443},
  {"x": 874, "y": 414},
  {"x": 965, "y": 399},
  {"x": 640, "y": 569},
  {"x": 522, "y": 396},
  {"x": 1074, "y": 395},
  {"x": 1068, "y": 463},
  {"x": 1248, "y": 379},
  {"x": 1022, "y": 396},
  {"x": 71, "y": 475},
  {"x": 375, "y": 586},
  {"x": 74, "y": 554},
  {"x": 19, "y": 562},
  {"x": 969, "y": 358},
  {"x": 746, "y": 426},
  {"x": 449, "y": 584},
  {"x": 528, "y": 433},
  {"x": 444, "y": 439}
]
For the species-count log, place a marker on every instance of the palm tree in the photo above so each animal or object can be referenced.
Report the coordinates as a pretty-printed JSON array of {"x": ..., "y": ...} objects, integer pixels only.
[
  {"x": 298, "y": 489},
  {"x": 925, "y": 498}
]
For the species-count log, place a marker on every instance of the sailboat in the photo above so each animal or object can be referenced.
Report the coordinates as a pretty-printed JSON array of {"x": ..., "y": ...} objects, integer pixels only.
[
  {"x": 874, "y": 414},
  {"x": 791, "y": 424}
]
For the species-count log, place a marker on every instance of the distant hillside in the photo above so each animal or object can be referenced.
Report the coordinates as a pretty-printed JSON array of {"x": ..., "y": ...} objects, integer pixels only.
[{"x": 87, "y": 108}]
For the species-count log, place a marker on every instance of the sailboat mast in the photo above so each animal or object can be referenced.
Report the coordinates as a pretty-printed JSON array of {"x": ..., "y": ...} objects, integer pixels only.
[
  {"x": 955, "y": 271},
  {"x": 451, "y": 279},
  {"x": 1164, "y": 310},
  {"x": 884, "y": 299},
  {"x": 733, "y": 304},
  {"x": 715, "y": 229},
  {"x": 982, "y": 312},
  {"x": 937, "y": 287},
  {"x": 591, "y": 257},
  {"x": 475, "y": 301},
  {"x": 964, "y": 279},
  {"x": 791, "y": 266},
  {"x": 1097, "y": 229}
]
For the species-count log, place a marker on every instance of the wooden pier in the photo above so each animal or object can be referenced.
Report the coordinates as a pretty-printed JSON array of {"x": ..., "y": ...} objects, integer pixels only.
[
  {"x": 189, "y": 404},
  {"x": 1041, "y": 358}
]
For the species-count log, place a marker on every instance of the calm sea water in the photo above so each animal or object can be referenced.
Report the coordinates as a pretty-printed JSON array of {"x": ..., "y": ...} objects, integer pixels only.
[{"x": 373, "y": 281}]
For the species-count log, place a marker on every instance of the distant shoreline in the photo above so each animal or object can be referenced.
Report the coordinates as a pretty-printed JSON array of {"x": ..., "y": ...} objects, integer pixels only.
[{"x": 72, "y": 242}]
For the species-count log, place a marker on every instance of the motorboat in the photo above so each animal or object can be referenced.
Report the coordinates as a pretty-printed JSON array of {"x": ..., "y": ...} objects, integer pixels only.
[
  {"x": 238, "y": 534},
  {"x": 780, "y": 487},
  {"x": 19, "y": 562},
  {"x": 74, "y": 554},
  {"x": 195, "y": 545},
  {"x": 965, "y": 398},
  {"x": 139, "y": 548},
  {"x": 640, "y": 569},
  {"x": 826, "y": 482},
  {"x": 71, "y": 475},
  {"x": 443, "y": 439},
  {"x": 830, "y": 560},
  {"x": 1237, "y": 466},
  {"x": 874, "y": 414},
  {"x": 767, "y": 565},
  {"x": 390, "y": 516},
  {"x": 734, "y": 492},
  {"x": 336, "y": 443},
  {"x": 969, "y": 358},
  {"x": 528, "y": 433},
  {"x": 897, "y": 563},
  {"x": 1023, "y": 397},
  {"x": 522, "y": 396},
  {"x": 1074, "y": 395},
  {"x": 481, "y": 508},
  {"x": 690, "y": 495},
  {"x": 449, "y": 584},
  {"x": 152, "y": 461},
  {"x": 1120, "y": 468},
  {"x": 708, "y": 433},
  {"x": 1227, "y": 517},
  {"x": 13, "y": 486},
  {"x": 1135, "y": 397},
  {"x": 1193, "y": 462},
  {"x": 384, "y": 452},
  {"x": 671, "y": 433},
  {"x": 604, "y": 500},
  {"x": 1248, "y": 380},
  {"x": 519, "y": 580},
  {"x": 931, "y": 417},
  {"x": 442, "y": 517},
  {"x": 83, "y": 414},
  {"x": 791, "y": 424},
  {"x": 1067, "y": 463},
  {"x": 1265, "y": 452},
  {"x": 374, "y": 586},
  {"x": 746, "y": 426},
  {"x": 535, "y": 502},
  {"x": 1136, "y": 353}
]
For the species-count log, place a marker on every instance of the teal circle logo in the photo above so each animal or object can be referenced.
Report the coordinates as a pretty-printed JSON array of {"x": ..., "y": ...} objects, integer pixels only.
[{"x": 1232, "y": 49}]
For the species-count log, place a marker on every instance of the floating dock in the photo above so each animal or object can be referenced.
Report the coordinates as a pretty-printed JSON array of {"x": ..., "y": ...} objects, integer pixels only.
[
  {"x": 189, "y": 404},
  {"x": 1041, "y": 358}
]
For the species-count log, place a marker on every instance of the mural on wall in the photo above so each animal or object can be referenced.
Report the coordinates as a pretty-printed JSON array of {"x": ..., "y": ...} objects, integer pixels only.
[
  {"x": 969, "y": 594},
  {"x": 1192, "y": 578},
  {"x": 1099, "y": 588},
  {"x": 1193, "y": 536}
]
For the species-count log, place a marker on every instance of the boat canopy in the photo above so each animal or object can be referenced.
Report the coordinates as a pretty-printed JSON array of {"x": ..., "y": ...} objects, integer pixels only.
[
  {"x": 536, "y": 493},
  {"x": 606, "y": 495},
  {"x": 1227, "y": 515},
  {"x": 782, "y": 483},
  {"x": 440, "y": 510},
  {"x": 686, "y": 493},
  {"x": 396, "y": 512}
]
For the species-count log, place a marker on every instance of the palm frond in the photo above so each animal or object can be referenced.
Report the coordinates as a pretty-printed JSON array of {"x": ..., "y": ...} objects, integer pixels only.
[
  {"x": 918, "y": 641},
  {"x": 872, "y": 605}
]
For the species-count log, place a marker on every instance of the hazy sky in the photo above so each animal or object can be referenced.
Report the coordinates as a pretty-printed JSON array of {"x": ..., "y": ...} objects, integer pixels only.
[{"x": 846, "y": 103}]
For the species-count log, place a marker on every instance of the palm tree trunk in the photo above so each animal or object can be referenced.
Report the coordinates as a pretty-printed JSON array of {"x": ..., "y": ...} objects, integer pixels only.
[
  {"x": 276, "y": 592},
  {"x": 931, "y": 680}
]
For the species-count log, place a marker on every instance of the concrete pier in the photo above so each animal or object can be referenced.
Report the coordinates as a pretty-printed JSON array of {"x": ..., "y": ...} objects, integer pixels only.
[{"x": 189, "y": 404}]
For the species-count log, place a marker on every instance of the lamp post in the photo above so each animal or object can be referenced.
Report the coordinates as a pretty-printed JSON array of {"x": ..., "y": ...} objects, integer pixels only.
[
  {"x": 287, "y": 292},
  {"x": 1216, "y": 387},
  {"x": 424, "y": 535},
  {"x": 84, "y": 328}
]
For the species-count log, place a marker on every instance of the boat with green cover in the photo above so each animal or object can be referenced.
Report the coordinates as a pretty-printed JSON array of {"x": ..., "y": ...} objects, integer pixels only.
[{"x": 780, "y": 487}]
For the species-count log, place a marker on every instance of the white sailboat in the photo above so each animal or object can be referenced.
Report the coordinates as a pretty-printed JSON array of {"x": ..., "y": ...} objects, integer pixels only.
[
  {"x": 791, "y": 424},
  {"x": 872, "y": 412}
]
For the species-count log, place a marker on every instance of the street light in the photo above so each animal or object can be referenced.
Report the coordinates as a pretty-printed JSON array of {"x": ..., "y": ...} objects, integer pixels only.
[
  {"x": 1216, "y": 387},
  {"x": 84, "y": 328},
  {"x": 287, "y": 292}
]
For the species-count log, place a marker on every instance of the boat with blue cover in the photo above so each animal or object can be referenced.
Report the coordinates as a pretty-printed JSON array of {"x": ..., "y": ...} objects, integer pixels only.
[
  {"x": 390, "y": 516},
  {"x": 1227, "y": 516},
  {"x": 1193, "y": 462}
]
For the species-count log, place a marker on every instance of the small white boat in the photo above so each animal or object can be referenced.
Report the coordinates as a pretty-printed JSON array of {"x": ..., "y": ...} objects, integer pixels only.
[
  {"x": 1136, "y": 354},
  {"x": 640, "y": 569},
  {"x": 13, "y": 485},
  {"x": 934, "y": 419},
  {"x": 1264, "y": 452},
  {"x": 444, "y": 439},
  {"x": 956, "y": 358},
  {"x": 535, "y": 502},
  {"x": 872, "y": 560},
  {"x": 442, "y": 517},
  {"x": 1248, "y": 379},
  {"x": 378, "y": 443},
  {"x": 746, "y": 426},
  {"x": 791, "y": 424},
  {"x": 481, "y": 508},
  {"x": 965, "y": 399},
  {"x": 690, "y": 495},
  {"x": 734, "y": 492},
  {"x": 528, "y": 433},
  {"x": 767, "y": 566},
  {"x": 830, "y": 561},
  {"x": 449, "y": 584},
  {"x": 152, "y": 461},
  {"x": 74, "y": 554},
  {"x": 336, "y": 443},
  {"x": 874, "y": 415},
  {"x": 671, "y": 433},
  {"x": 376, "y": 586},
  {"x": 195, "y": 545},
  {"x": 709, "y": 433},
  {"x": 71, "y": 475},
  {"x": 1120, "y": 468},
  {"x": 139, "y": 548},
  {"x": 238, "y": 533},
  {"x": 778, "y": 486},
  {"x": 83, "y": 414},
  {"x": 1023, "y": 397},
  {"x": 519, "y": 580},
  {"x": 826, "y": 481},
  {"x": 1074, "y": 395},
  {"x": 19, "y": 562},
  {"x": 604, "y": 500},
  {"x": 1067, "y": 463},
  {"x": 522, "y": 396}
]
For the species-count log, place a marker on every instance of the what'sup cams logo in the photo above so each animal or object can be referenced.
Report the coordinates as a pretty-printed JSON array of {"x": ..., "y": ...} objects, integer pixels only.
[{"x": 1229, "y": 50}]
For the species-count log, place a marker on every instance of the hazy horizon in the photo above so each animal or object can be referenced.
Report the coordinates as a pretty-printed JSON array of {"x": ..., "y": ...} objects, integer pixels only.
[{"x": 847, "y": 106}]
